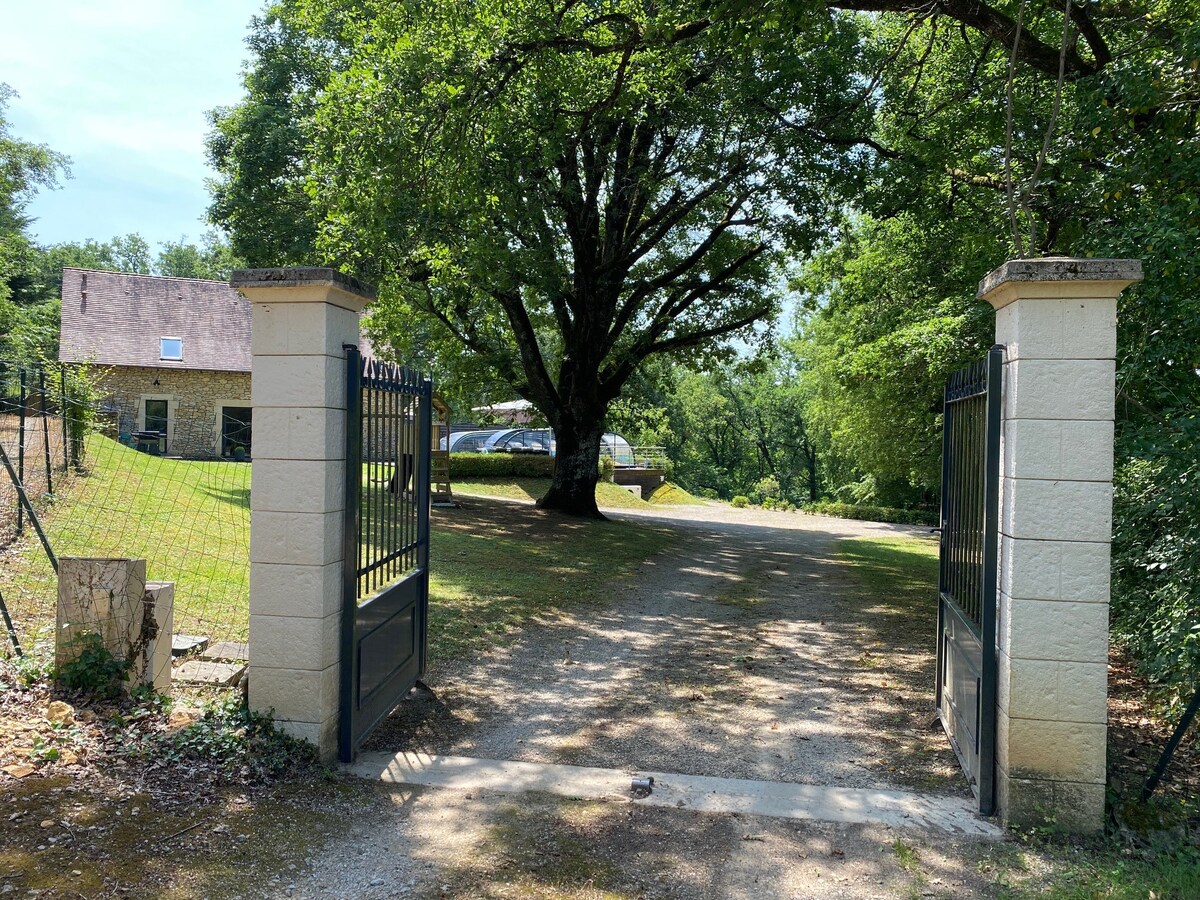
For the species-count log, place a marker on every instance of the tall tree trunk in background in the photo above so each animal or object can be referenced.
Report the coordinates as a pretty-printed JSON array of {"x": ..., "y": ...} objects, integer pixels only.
[{"x": 576, "y": 465}]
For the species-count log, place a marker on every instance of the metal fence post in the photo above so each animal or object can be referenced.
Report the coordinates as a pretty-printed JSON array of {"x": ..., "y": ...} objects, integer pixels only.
[
  {"x": 350, "y": 541},
  {"x": 21, "y": 449}
]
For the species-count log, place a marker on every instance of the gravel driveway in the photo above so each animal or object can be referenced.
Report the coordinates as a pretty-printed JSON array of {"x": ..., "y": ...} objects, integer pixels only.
[{"x": 747, "y": 650}]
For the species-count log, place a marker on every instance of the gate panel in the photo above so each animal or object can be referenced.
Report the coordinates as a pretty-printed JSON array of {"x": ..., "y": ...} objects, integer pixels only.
[
  {"x": 966, "y": 648},
  {"x": 385, "y": 570}
]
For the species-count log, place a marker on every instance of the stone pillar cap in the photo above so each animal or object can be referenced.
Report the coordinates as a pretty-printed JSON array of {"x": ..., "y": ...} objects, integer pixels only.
[
  {"x": 1060, "y": 269},
  {"x": 300, "y": 277}
]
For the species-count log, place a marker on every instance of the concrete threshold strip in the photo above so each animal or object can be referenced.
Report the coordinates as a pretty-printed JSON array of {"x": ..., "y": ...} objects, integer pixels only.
[{"x": 782, "y": 800}]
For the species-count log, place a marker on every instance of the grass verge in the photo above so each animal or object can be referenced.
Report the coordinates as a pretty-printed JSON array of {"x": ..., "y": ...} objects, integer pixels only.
[{"x": 668, "y": 494}]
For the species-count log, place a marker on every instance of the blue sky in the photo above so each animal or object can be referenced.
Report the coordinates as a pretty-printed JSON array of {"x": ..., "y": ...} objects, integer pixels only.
[{"x": 121, "y": 87}]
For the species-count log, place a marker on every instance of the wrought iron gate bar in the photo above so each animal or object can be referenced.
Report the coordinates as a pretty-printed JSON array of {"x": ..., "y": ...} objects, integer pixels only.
[{"x": 966, "y": 651}]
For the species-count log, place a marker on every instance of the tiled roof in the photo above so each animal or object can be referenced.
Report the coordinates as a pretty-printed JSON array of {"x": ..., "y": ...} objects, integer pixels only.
[{"x": 114, "y": 319}]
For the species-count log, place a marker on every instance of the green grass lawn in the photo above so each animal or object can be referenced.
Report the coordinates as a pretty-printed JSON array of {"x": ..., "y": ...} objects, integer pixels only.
[{"x": 189, "y": 520}]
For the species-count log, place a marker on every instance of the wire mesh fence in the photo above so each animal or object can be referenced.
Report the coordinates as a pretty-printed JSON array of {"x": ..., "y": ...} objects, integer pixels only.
[{"x": 99, "y": 492}]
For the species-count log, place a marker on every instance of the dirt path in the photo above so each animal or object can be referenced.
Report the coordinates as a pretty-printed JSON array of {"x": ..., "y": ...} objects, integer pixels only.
[{"x": 747, "y": 651}]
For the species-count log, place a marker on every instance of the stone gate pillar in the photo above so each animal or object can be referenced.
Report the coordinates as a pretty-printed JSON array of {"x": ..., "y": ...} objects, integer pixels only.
[
  {"x": 1057, "y": 319},
  {"x": 302, "y": 318}
]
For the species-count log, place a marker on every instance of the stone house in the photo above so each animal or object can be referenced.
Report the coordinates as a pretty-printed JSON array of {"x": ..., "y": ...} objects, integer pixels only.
[{"x": 174, "y": 355}]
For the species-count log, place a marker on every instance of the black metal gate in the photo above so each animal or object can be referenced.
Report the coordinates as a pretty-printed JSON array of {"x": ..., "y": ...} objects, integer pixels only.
[
  {"x": 966, "y": 650},
  {"x": 385, "y": 593}
]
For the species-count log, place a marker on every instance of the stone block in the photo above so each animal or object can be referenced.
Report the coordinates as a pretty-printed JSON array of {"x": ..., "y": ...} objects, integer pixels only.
[
  {"x": 1057, "y": 277},
  {"x": 296, "y": 695},
  {"x": 110, "y": 598},
  {"x": 1065, "y": 805},
  {"x": 313, "y": 539},
  {"x": 204, "y": 671},
  {"x": 1051, "y": 751},
  {"x": 1058, "y": 450},
  {"x": 294, "y": 434},
  {"x": 302, "y": 329},
  {"x": 229, "y": 651},
  {"x": 280, "y": 589},
  {"x": 1053, "y": 690},
  {"x": 294, "y": 642},
  {"x": 303, "y": 284},
  {"x": 160, "y": 606},
  {"x": 297, "y": 382},
  {"x": 322, "y": 735},
  {"x": 298, "y": 486},
  {"x": 1055, "y": 570},
  {"x": 1059, "y": 329},
  {"x": 1060, "y": 389},
  {"x": 1057, "y": 510},
  {"x": 103, "y": 597},
  {"x": 1054, "y": 630}
]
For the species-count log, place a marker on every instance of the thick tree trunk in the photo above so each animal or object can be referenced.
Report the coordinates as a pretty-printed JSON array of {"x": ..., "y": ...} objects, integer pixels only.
[{"x": 573, "y": 488}]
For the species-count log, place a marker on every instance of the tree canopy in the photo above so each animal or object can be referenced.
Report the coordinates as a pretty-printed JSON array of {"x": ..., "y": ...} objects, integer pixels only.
[{"x": 566, "y": 188}]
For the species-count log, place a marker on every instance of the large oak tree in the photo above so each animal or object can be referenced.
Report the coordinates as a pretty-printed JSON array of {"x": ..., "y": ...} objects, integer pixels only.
[{"x": 564, "y": 188}]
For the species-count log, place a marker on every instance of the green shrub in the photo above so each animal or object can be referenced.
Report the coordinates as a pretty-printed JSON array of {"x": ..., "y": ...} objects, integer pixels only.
[
  {"x": 607, "y": 466},
  {"x": 739, "y": 502},
  {"x": 94, "y": 670},
  {"x": 769, "y": 488},
  {"x": 500, "y": 465},
  {"x": 871, "y": 513}
]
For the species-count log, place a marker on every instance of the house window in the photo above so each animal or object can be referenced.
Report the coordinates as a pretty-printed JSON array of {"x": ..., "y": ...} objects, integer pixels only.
[{"x": 170, "y": 348}]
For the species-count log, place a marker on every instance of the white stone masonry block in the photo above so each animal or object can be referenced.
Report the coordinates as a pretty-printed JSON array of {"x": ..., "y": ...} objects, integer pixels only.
[
  {"x": 1060, "y": 751},
  {"x": 307, "y": 539},
  {"x": 1059, "y": 329},
  {"x": 298, "y": 382},
  {"x": 295, "y": 642},
  {"x": 1057, "y": 510},
  {"x": 278, "y": 589},
  {"x": 299, "y": 433},
  {"x": 1060, "y": 389},
  {"x": 302, "y": 329},
  {"x": 1070, "y": 450},
  {"x": 1053, "y": 690},
  {"x": 305, "y": 486},
  {"x": 296, "y": 695},
  {"x": 1054, "y": 630},
  {"x": 1055, "y": 570}
]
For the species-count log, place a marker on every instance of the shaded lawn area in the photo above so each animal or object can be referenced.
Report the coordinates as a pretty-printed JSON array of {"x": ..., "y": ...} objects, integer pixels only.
[{"x": 497, "y": 567}]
